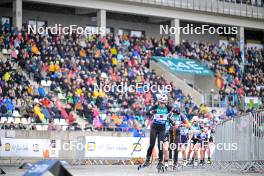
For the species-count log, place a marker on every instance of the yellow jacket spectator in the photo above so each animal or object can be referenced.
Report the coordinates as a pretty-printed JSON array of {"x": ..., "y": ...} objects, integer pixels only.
[
  {"x": 30, "y": 90},
  {"x": 101, "y": 94},
  {"x": 96, "y": 93},
  {"x": 82, "y": 53},
  {"x": 203, "y": 109},
  {"x": 114, "y": 61},
  {"x": 52, "y": 67},
  {"x": 35, "y": 49},
  {"x": 113, "y": 51},
  {"x": 79, "y": 92},
  {"x": 6, "y": 76},
  {"x": 38, "y": 112},
  {"x": 232, "y": 70}
]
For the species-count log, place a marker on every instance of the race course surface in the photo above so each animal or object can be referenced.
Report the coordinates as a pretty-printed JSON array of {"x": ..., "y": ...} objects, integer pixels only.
[{"x": 128, "y": 170}]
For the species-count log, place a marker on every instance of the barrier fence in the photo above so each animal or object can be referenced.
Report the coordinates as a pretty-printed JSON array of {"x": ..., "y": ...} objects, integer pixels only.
[
  {"x": 85, "y": 150},
  {"x": 243, "y": 139}
]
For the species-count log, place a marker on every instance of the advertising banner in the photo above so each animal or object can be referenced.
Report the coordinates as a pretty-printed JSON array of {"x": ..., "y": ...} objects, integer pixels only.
[
  {"x": 99, "y": 146},
  {"x": 11, "y": 147},
  {"x": 184, "y": 66}
]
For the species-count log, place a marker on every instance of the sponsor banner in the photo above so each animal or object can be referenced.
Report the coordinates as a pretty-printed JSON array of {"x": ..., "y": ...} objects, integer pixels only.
[
  {"x": 252, "y": 103},
  {"x": 11, "y": 147},
  {"x": 184, "y": 66},
  {"x": 99, "y": 146}
]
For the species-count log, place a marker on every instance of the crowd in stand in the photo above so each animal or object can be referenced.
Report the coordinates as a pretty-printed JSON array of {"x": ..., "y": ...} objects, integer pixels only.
[
  {"x": 232, "y": 79},
  {"x": 66, "y": 71}
]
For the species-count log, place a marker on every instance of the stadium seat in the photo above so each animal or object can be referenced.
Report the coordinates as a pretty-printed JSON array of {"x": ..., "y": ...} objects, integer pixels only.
[
  {"x": 57, "y": 121},
  {"x": 24, "y": 121},
  {"x": 45, "y": 127},
  {"x": 63, "y": 122},
  {"x": 64, "y": 128},
  {"x": 17, "y": 120},
  {"x": 42, "y": 127},
  {"x": 3, "y": 119},
  {"x": 4, "y": 51},
  {"x": 10, "y": 119}
]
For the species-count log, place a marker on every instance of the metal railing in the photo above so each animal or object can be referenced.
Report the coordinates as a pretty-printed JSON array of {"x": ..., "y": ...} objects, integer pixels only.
[
  {"x": 219, "y": 101},
  {"x": 245, "y": 135},
  {"x": 227, "y": 7}
]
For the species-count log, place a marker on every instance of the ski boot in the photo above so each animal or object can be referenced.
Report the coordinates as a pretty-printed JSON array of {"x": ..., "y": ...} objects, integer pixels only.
[
  {"x": 145, "y": 164},
  {"x": 190, "y": 163},
  {"x": 160, "y": 167},
  {"x": 202, "y": 162},
  {"x": 209, "y": 161}
]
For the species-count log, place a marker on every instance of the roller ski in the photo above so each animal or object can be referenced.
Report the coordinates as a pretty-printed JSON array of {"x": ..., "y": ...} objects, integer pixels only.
[
  {"x": 166, "y": 166},
  {"x": 146, "y": 164},
  {"x": 195, "y": 164},
  {"x": 175, "y": 166},
  {"x": 202, "y": 162},
  {"x": 190, "y": 162},
  {"x": 160, "y": 167},
  {"x": 184, "y": 163}
]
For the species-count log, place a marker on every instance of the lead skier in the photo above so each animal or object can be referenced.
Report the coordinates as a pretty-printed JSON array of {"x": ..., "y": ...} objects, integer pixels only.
[{"x": 161, "y": 113}]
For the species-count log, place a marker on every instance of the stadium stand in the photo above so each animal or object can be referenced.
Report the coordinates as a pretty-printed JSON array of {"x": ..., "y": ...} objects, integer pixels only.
[{"x": 46, "y": 79}]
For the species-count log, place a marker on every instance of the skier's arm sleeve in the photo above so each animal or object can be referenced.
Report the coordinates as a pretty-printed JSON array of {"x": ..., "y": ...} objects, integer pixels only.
[
  {"x": 171, "y": 121},
  {"x": 170, "y": 108},
  {"x": 184, "y": 119},
  {"x": 152, "y": 110}
]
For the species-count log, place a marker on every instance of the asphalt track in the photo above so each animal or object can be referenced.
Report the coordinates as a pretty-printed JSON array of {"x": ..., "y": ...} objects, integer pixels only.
[{"x": 120, "y": 170}]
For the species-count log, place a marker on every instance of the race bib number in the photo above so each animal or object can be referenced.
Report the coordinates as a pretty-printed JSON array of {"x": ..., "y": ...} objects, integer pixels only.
[{"x": 160, "y": 117}]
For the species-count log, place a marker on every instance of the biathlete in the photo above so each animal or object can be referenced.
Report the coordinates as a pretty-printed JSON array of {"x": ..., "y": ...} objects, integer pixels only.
[
  {"x": 175, "y": 139},
  {"x": 194, "y": 137},
  {"x": 205, "y": 142},
  {"x": 161, "y": 115},
  {"x": 179, "y": 136}
]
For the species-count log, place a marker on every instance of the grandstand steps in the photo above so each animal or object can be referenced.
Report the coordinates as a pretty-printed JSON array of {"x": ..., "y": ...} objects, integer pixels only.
[{"x": 161, "y": 70}]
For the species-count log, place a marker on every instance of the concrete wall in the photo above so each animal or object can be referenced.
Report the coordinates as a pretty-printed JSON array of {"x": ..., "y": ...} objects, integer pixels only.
[
  {"x": 202, "y": 83},
  {"x": 151, "y": 30},
  {"x": 206, "y": 83},
  {"x": 159, "y": 11}
]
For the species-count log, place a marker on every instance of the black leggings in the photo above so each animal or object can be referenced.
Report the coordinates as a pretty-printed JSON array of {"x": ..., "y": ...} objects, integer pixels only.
[
  {"x": 156, "y": 131},
  {"x": 176, "y": 142}
]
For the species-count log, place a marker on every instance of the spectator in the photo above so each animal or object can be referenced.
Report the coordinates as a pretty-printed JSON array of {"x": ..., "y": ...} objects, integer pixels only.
[
  {"x": 5, "y": 126},
  {"x": 139, "y": 132},
  {"x": 20, "y": 126}
]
